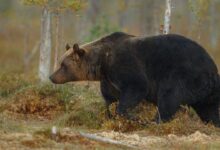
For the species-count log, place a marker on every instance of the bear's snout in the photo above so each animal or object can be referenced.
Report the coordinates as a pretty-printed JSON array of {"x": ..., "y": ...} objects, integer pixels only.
[
  {"x": 59, "y": 78},
  {"x": 52, "y": 79}
]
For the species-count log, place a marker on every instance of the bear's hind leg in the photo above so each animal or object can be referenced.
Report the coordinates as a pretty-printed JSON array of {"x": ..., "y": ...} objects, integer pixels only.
[{"x": 208, "y": 112}]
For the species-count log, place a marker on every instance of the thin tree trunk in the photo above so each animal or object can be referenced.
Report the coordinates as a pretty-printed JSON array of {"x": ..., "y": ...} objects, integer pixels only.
[
  {"x": 26, "y": 48},
  {"x": 156, "y": 24},
  {"x": 28, "y": 56},
  {"x": 57, "y": 38},
  {"x": 167, "y": 17},
  {"x": 45, "y": 47},
  {"x": 213, "y": 32},
  {"x": 122, "y": 12},
  {"x": 94, "y": 10},
  {"x": 149, "y": 22}
]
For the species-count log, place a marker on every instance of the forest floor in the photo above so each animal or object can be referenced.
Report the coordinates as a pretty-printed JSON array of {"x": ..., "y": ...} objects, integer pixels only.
[{"x": 34, "y": 116}]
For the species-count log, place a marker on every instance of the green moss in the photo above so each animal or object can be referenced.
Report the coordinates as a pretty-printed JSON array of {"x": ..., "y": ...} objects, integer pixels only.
[{"x": 9, "y": 84}]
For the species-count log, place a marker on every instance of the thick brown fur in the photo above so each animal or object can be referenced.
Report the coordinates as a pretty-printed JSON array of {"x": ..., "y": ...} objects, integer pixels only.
[{"x": 168, "y": 70}]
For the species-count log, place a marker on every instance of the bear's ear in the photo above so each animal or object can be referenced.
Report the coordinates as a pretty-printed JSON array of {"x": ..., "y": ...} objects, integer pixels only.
[
  {"x": 76, "y": 47},
  {"x": 67, "y": 47},
  {"x": 77, "y": 50}
]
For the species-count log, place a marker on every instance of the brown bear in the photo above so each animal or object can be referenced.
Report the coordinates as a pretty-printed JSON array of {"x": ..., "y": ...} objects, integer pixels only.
[{"x": 167, "y": 70}]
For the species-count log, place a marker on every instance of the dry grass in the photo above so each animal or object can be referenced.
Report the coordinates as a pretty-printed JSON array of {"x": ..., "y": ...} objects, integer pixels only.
[
  {"x": 80, "y": 106},
  {"x": 30, "y": 109},
  {"x": 32, "y": 103}
]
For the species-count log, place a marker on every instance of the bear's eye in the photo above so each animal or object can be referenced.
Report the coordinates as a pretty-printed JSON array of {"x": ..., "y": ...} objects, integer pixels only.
[{"x": 63, "y": 65}]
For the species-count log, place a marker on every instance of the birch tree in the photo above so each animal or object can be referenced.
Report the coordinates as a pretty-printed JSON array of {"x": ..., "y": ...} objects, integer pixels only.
[
  {"x": 149, "y": 21},
  {"x": 45, "y": 38},
  {"x": 57, "y": 7},
  {"x": 167, "y": 17},
  {"x": 49, "y": 7},
  {"x": 45, "y": 46},
  {"x": 94, "y": 10},
  {"x": 200, "y": 10},
  {"x": 57, "y": 39}
]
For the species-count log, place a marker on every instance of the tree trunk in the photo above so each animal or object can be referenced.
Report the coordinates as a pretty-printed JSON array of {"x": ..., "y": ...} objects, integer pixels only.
[
  {"x": 156, "y": 18},
  {"x": 57, "y": 39},
  {"x": 26, "y": 48},
  {"x": 167, "y": 17},
  {"x": 122, "y": 13},
  {"x": 213, "y": 22},
  {"x": 94, "y": 10},
  {"x": 45, "y": 47}
]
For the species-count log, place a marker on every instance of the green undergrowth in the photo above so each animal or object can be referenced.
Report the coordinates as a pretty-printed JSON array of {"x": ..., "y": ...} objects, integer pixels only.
[
  {"x": 80, "y": 105},
  {"x": 9, "y": 84}
]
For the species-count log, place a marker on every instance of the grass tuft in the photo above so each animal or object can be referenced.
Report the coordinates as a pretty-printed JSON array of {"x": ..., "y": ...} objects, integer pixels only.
[
  {"x": 77, "y": 105},
  {"x": 9, "y": 84}
]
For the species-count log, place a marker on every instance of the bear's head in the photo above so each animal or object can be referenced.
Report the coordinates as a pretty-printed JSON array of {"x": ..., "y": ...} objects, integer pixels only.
[
  {"x": 72, "y": 66},
  {"x": 85, "y": 62}
]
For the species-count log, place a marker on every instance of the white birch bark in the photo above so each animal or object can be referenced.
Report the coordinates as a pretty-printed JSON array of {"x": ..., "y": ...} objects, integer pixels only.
[
  {"x": 167, "y": 17},
  {"x": 57, "y": 39},
  {"x": 45, "y": 47}
]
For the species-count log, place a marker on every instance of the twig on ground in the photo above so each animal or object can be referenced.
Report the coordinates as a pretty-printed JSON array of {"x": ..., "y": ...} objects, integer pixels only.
[
  {"x": 159, "y": 117},
  {"x": 105, "y": 140}
]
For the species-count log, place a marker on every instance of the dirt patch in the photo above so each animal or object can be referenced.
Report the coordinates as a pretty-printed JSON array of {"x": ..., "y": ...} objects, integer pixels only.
[{"x": 195, "y": 137}]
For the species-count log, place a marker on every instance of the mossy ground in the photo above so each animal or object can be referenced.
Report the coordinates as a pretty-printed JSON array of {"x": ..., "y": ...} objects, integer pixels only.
[{"x": 29, "y": 109}]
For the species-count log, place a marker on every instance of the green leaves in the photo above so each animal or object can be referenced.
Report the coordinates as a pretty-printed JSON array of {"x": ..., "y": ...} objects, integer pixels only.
[
  {"x": 57, "y": 4},
  {"x": 35, "y": 2},
  {"x": 73, "y": 4}
]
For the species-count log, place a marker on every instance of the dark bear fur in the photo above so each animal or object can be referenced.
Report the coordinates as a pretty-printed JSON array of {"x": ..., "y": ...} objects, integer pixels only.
[{"x": 167, "y": 70}]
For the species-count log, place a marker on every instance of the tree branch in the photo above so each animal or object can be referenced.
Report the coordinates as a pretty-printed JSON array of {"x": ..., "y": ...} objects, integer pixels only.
[{"x": 105, "y": 140}]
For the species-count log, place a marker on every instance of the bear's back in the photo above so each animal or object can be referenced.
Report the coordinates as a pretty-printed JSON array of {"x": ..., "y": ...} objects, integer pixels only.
[{"x": 166, "y": 53}]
